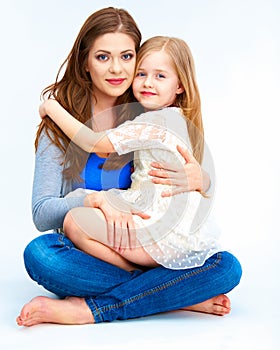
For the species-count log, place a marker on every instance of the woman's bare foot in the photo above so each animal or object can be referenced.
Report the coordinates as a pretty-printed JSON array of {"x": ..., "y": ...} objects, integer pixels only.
[
  {"x": 219, "y": 305},
  {"x": 71, "y": 310}
]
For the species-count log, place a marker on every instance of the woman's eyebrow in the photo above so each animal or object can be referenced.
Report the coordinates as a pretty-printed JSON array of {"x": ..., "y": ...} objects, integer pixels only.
[
  {"x": 131, "y": 50},
  {"x": 106, "y": 51},
  {"x": 103, "y": 51}
]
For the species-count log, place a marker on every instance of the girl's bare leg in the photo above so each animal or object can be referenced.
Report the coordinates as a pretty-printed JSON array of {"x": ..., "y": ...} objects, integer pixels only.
[
  {"x": 87, "y": 229},
  {"x": 74, "y": 228}
]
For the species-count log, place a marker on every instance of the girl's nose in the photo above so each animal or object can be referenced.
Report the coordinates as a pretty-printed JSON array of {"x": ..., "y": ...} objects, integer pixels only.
[{"x": 148, "y": 82}]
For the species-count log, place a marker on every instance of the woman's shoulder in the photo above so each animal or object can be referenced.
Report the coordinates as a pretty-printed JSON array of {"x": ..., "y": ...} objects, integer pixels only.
[{"x": 46, "y": 145}]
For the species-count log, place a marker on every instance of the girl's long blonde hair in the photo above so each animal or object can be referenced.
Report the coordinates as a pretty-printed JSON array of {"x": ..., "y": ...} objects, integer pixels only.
[
  {"x": 189, "y": 100},
  {"x": 74, "y": 89}
]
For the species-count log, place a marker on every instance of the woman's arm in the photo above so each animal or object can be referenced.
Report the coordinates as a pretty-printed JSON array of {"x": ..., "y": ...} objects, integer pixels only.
[
  {"x": 48, "y": 205},
  {"x": 189, "y": 178},
  {"x": 79, "y": 133}
]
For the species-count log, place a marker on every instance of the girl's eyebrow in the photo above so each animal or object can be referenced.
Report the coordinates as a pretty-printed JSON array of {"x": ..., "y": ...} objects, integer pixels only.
[
  {"x": 155, "y": 70},
  {"x": 161, "y": 70}
]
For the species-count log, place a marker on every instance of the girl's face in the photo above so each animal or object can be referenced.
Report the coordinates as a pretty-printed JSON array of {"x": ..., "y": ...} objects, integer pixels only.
[
  {"x": 156, "y": 83},
  {"x": 111, "y": 64}
]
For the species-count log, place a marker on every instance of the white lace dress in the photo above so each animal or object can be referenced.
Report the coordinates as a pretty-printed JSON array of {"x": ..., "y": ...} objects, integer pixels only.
[{"x": 181, "y": 233}]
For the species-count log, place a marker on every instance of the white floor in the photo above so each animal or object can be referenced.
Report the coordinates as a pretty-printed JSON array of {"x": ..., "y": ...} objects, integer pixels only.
[{"x": 252, "y": 324}]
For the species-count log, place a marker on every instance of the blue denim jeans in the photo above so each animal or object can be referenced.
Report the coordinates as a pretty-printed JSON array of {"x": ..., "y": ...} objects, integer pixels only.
[{"x": 112, "y": 293}]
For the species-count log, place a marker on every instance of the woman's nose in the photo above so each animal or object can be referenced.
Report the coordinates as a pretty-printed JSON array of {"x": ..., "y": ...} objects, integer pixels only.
[{"x": 115, "y": 66}]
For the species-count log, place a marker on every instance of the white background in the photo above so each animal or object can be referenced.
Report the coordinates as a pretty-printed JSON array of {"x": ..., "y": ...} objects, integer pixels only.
[{"x": 235, "y": 44}]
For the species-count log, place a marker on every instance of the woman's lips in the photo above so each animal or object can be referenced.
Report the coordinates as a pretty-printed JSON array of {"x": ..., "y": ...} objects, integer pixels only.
[{"x": 118, "y": 81}]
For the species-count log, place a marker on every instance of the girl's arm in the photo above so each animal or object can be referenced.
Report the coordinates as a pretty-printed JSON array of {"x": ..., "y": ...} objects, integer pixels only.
[{"x": 79, "y": 133}]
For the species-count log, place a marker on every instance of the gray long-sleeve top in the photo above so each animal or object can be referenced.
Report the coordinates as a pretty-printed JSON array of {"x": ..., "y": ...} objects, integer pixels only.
[{"x": 49, "y": 206}]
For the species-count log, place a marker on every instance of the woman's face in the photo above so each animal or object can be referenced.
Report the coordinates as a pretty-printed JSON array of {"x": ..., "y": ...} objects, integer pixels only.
[{"x": 111, "y": 64}]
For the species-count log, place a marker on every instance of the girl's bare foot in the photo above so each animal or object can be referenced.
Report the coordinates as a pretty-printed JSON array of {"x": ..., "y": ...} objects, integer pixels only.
[
  {"x": 219, "y": 305},
  {"x": 71, "y": 310}
]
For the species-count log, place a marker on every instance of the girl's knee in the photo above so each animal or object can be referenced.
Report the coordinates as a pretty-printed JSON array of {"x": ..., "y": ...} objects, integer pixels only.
[{"x": 69, "y": 225}]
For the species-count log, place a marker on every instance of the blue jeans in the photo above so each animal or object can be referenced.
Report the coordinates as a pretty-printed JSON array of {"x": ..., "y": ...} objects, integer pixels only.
[{"x": 112, "y": 293}]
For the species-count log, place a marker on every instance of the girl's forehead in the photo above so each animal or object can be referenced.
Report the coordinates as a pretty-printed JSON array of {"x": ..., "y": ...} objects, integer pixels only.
[{"x": 156, "y": 58}]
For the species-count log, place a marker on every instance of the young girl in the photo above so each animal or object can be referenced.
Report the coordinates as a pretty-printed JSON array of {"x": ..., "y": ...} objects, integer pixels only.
[{"x": 179, "y": 233}]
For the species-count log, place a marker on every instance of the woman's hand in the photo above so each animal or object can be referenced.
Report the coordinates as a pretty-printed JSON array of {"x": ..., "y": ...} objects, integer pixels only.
[
  {"x": 182, "y": 179},
  {"x": 120, "y": 225}
]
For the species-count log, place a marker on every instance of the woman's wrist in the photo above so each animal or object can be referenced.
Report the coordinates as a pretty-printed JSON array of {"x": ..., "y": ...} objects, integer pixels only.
[{"x": 205, "y": 184}]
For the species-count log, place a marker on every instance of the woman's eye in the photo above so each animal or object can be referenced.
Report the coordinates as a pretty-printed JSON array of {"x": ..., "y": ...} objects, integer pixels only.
[
  {"x": 127, "y": 56},
  {"x": 102, "y": 57}
]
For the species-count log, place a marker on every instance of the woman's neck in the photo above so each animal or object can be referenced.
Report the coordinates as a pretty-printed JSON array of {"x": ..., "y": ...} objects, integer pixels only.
[
  {"x": 102, "y": 102},
  {"x": 99, "y": 108},
  {"x": 103, "y": 118}
]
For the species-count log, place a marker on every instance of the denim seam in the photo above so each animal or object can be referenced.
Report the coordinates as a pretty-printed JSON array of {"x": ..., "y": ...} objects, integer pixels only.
[{"x": 98, "y": 311}]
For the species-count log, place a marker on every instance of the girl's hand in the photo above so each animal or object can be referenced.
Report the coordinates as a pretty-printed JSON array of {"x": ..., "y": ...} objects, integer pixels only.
[
  {"x": 188, "y": 178},
  {"x": 43, "y": 108},
  {"x": 120, "y": 225}
]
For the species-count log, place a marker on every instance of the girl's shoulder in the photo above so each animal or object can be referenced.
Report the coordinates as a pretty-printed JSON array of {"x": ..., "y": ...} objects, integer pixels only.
[{"x": 160, "y": 116}]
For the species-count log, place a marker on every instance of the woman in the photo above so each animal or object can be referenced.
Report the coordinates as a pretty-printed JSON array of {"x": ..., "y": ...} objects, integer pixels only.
[{"x": 92, "y": 290}]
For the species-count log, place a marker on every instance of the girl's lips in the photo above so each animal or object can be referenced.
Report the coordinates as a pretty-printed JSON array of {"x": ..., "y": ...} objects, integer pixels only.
[
  {"x": 147, "y": 93},
  {"x": 115, "y": 81}
]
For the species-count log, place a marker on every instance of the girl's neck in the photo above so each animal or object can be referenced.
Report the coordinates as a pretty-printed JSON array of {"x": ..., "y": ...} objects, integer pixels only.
[{"x": 158, "y": 108}]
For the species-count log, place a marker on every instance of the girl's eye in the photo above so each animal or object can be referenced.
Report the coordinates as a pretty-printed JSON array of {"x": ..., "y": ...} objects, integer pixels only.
[
  {"x": 102, "y": 57},
  {"x": 159, "y": 75},
  {"x": 127, "y": 56},
  {"x": 140, "y": 74}
]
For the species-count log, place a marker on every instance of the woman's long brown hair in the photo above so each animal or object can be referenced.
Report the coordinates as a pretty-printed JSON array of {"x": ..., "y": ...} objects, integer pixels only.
[{"x": 74, "y": 90}]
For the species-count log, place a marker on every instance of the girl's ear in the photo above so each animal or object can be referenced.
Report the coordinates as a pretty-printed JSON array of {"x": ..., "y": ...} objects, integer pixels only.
[{"x": 180, "y": 89}]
